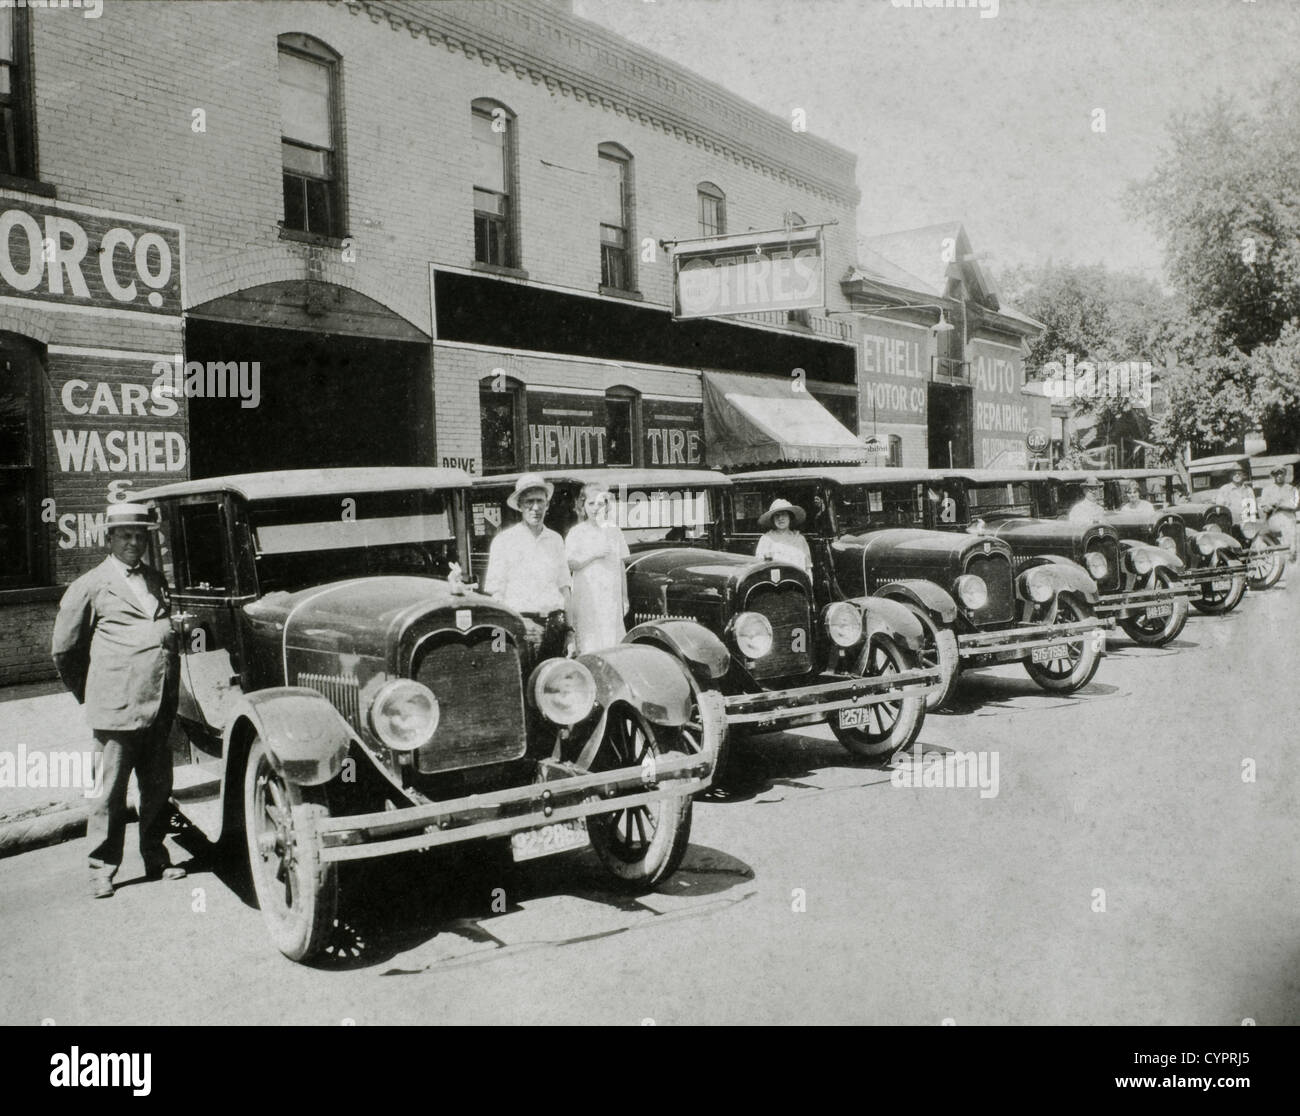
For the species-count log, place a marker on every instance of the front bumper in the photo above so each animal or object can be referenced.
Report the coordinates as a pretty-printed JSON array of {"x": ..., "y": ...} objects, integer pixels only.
[
  {"x": 1013, "y": 644},
  {"x": 565, "y": 793},
  {"x": 1134, "y": 602},
  {"x": 1202, "y": 574},
  {"x": 806, "y": 704}
]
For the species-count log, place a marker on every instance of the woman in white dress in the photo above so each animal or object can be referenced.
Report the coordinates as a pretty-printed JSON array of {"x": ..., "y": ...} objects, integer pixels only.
[
  {"x": 783, "y": 543},
  {"x": 596, "y": 549}
]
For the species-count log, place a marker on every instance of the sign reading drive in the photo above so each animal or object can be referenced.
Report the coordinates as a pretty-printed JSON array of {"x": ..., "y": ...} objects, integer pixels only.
[{"x": 749, "y": 272}]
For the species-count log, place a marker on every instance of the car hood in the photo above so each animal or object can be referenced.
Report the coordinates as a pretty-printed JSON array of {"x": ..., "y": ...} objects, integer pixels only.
[
  {"x": 918, "y": 544},
  {"x": 369, "y": 616},
  {"x": 705, "y": 570},
  {"x": 1048, "y": 532}
]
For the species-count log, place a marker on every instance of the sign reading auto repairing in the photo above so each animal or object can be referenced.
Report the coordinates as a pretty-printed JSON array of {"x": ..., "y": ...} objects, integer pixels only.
[
  {"x": 73, "y": 255},
  {"x": 1001, "y": 418},
  {"x": 750, "y": 272}
]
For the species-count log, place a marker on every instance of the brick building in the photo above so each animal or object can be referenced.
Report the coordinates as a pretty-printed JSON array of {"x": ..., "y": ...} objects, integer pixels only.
[{"x": 249, "y": 236}]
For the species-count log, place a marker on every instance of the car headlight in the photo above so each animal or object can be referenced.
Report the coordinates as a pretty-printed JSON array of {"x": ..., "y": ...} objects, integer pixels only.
[
  {"x": 1039, "y": 586},
  {"x": 843, "y": 624},
  {"x": 404, "y": 715},
  {"x": 564, "y": 691},
  {"x": 971, "y": 591},
  {"x": 753, "y": 634},
  {"x": 1140, "y": 560},
  {"x": 1167, "y": 542},
  {"x": 1205, "y": 544},
  {"x": 1096, "y": 564}
]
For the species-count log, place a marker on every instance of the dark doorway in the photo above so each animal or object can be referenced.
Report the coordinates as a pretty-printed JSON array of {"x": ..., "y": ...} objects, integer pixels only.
[
  {"x": 326, "y": 400},
  {"x": 949, "y": 434}
]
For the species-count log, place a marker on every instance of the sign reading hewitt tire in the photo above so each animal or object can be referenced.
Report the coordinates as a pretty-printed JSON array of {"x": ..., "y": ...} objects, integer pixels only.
[{"x": 749, "y": 272}]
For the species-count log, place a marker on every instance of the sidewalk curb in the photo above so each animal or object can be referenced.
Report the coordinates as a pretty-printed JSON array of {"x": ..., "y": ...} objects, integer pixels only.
[{"x": 62, "y": 821}]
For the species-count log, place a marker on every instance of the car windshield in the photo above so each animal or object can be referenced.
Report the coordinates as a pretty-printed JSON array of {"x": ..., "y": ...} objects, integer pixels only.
[
  {"x": 1150, "y": 489},
  {"x": 308, "y": 540},
  {"x": 861, "y": 507},
  {"x": 999, "y": 501},
  {"x": 663, "y": 514}
]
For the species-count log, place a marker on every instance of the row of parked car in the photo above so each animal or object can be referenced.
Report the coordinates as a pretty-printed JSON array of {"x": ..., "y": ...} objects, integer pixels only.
[{"x": 359, "y": 699}]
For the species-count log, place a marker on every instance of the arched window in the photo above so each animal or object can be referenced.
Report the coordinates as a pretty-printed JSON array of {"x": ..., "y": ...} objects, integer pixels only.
[
  {"x": 895, "y": 451},
  {"x": 495, "y": 205},
  {"x": 310, "y": 136},
  {"x": 712, "y": 209},
  {"x": 502, "y": 424},
  {"x": 622, "y": 426},
  {"x": 616, "y": 210}
]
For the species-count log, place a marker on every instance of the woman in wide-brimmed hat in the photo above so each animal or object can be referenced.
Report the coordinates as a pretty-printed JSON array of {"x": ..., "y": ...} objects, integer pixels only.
[{"x": 783, "y": 542}]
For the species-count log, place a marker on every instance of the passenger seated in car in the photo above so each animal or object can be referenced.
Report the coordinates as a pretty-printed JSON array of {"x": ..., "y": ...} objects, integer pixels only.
[{"x": 782, "y": 543}]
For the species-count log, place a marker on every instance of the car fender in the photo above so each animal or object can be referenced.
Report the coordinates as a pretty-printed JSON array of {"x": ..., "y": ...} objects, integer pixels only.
[
  {"x": 1160, "y": 557},
  {"x": 648, "y": 678},
  {"x": 934, "y": 599},
  {"x": 1067, "y": 576},
  {"x": 304, "y": 734},
  {"x": 1218, "y": 539},
  {"x": 704, "y": 654},
  {"x": 1050, "y": 560},
  {"x": 884, "y": 616}
]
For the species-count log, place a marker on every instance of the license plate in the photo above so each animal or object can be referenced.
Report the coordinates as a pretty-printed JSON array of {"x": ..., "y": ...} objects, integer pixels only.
[
  {"x": 1052, "y": 653},
  {"x": 1221, "y": 585},
  {"x": 855, "y": 717},
  {"x": 1155, "y": 611},
  {"x": 547, "y": 839}
]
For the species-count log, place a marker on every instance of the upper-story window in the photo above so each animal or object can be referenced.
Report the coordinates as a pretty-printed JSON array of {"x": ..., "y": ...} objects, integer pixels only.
[
  {"x": 17, "y": 146},
  {"x": 493, "y": 131},
  {"x": 616, "y": 218},
  {"x": 22, "y": 490},
  {"x": 713, "y": 209},
  {"x": 309, "y": 140}
]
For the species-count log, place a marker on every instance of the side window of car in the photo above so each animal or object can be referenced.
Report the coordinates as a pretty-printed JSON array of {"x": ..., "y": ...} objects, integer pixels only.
[{"x": 201, "y": 544}]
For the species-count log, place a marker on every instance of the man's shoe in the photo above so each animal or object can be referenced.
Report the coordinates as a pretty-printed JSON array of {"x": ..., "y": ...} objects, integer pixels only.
[
  {"x": 101, "y": 888},
  {"x": 171, "y": 872}
]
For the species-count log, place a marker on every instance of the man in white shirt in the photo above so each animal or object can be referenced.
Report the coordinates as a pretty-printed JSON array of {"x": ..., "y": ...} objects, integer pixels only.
[
  {"x": 529, "y": 571},
  {"x": 1279, "y": 501},
  {"x": 1088, "y": 508},
  {"x": 1239, "y": 496}
]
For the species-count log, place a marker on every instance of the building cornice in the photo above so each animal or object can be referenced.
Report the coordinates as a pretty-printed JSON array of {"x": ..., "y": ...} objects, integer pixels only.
[{"x": 582, "y": 61}]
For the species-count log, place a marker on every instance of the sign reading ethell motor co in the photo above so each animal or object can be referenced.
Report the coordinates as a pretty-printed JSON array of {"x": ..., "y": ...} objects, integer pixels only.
[
  {"x": 748, "y": 273},
  {"x": 72, "y": 255}
]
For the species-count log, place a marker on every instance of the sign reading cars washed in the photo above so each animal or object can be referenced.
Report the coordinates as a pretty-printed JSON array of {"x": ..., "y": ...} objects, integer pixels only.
[
  {"x": 73, "y": 255},
  {"x": 748, "y": 273}
]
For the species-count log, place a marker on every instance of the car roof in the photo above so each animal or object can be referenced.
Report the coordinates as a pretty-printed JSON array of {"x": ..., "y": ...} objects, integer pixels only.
[
  {"x": 992, "y": 476},
  {"x": 1259, "y": 466},
  {"x": 840, "y": 474},
  {"x": 615, "y": 477},
  {"x": 315, "y": 482}
]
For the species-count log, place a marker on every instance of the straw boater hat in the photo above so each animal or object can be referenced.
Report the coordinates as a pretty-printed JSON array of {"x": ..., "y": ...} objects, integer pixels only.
[
  {"x": 527, "y": 483},
  {"x": 796, "y": 513},
  {"x": 129, "y": 515}
]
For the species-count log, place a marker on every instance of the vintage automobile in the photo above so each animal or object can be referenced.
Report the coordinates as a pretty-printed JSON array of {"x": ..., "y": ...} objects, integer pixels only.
[
  {"x": 853, "y": 663},
  {"x": 356, "y": 700},
  {"x": 1266, "y": 552},
  {"x": 870, "y": 534},
  {"x": 1214, "y": 565},
  {"x": 1139, "y": 582}
]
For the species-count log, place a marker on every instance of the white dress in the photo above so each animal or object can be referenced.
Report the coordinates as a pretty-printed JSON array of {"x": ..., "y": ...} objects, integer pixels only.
[{"x": 597, "y": 602}]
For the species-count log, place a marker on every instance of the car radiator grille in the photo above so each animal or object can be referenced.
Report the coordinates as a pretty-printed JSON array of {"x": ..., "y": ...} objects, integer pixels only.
[
  {"x": 995, "y": 569},
  {"x": 481, "y": 702},
  {"x": 787, "y": 610},
  {"x": 1115, "y": 577}
]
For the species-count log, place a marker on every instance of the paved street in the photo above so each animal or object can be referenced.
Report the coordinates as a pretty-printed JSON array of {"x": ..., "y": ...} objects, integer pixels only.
[{"x": 823, "y": 894}]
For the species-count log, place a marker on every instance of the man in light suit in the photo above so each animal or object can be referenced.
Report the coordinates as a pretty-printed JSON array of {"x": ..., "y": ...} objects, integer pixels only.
[{"x": 116, "y": 652}]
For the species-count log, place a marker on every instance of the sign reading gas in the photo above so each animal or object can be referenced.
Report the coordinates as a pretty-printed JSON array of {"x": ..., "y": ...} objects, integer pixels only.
[
  {"x": 72, "y": 255},
  {"x": 750, "y": 272}
]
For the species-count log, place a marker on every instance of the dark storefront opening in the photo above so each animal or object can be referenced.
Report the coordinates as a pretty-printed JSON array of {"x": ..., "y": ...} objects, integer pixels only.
[
  {"x": 949, "y": 416},
  {"x": 509, "y": 315},
  {"x": 326, "y": 400}
]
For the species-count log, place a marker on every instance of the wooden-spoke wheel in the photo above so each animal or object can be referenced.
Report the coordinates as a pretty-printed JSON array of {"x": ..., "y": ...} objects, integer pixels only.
[
  {"x": 1083, "y": 654},
  {"x": 297, "y": 893},
  {"x": 887, "y": 726},
  {"x": 640, "y": 846}
]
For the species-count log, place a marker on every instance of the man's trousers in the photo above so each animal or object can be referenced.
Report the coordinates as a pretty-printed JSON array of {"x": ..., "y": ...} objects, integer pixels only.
[{"x": 119, "y": 752}]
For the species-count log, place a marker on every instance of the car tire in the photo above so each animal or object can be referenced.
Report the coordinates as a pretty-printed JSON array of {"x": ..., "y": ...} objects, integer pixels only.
[
  {"x": 641, "y": 846},
  {"x": 1215, "y": 602},
  {"x": 1084, "y": 659},
  {"x": 940, "y": 650},
  {"x": 890, "y": 725},
  {"x": 1265, "y": 569},
  {"x": 1157, "y": 632},
  {"x": 298, "y": 894}
]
